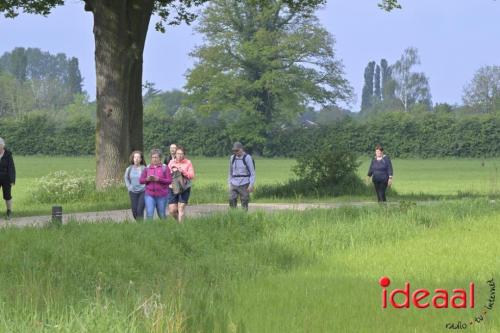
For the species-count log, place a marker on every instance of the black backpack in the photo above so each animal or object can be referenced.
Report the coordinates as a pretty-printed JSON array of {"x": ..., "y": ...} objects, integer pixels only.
[{"x": 244, "y": 159}]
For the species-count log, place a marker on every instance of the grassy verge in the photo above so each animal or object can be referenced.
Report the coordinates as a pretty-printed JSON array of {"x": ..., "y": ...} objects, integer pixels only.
[{"x": 315, "y": 271}]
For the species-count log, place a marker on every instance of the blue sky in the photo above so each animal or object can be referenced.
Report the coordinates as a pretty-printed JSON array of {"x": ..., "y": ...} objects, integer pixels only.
[{"x": 454, "y": 39}]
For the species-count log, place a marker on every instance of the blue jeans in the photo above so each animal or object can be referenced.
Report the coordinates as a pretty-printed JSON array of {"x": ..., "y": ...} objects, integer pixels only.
[{"x": 159, "y": 203}]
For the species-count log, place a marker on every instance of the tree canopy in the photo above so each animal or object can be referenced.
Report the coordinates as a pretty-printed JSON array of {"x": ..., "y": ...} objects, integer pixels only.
[
  {"x": 33, "y": 79},
  {"x": 411, "y": 87},
  {"x": 483, "y": 92},
  {"x": 262, "y": 63}
]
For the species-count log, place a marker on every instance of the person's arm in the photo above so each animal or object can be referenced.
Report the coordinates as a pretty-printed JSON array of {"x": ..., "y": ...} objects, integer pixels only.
[
  {"x": 12, "y": 170},
  {"x": 389, "y": 167},
  {"x": 229, "y": 170},
  {"x": 251, "y": 169},
  {"x": 166, "y": 177},
  {"x": 125, "y": 177},
  {"x": 370, "y": 170},
  {"x": 389, "y": 171},
  {"x": 143, "y": 179},
  {"x": 189, "y": 172}
]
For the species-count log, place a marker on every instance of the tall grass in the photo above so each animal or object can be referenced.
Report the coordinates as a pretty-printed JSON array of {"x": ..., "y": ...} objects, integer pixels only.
[{"x": 315, "y": 271}]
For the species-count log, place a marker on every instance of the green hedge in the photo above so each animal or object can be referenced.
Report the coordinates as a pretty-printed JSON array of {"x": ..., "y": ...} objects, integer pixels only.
[
  {"x": 39, "y": 133},
  {"x": 402, "y": 134}
]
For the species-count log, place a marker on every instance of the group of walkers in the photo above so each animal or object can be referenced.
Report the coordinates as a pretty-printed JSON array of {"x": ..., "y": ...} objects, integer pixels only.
[
  {"x": 151, "y": 187},
  {"x": 154, "y": 186}
]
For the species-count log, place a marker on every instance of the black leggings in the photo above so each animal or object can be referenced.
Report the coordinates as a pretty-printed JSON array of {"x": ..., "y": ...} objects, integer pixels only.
[
  {"x": 6, "y": 187},
  {"x": 380, "y": 188}
]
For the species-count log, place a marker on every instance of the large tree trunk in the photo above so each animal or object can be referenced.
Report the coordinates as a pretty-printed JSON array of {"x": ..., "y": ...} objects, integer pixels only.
[{"x": 120, "y": 28}]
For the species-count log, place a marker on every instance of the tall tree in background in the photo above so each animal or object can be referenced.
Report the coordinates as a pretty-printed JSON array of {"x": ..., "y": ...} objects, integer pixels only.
[
  {"x": 53, "y": 79},
  {"x": 120, "y": 29},
  {"x": 367, "y": 94},
  {"x": 18, "y": 64},
  {"x": 262, "y": 63},
  {"x": 15, "y": 97},
  {"x": 483, "y": 92},
  {"x": 73, "y": 77},
  {"x": 411, "y": 87},
  {"x": 376, "y": 82},
  {"x": 386, "y": 81}
]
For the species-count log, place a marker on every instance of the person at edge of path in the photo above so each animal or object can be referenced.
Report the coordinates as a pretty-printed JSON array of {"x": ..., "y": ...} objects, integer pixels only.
[
  {"x": 171, "y": 156},
  {"x": 178, "y": 202},
  {"x": 7, "y": 176},
  {"x": 132, "y": 181},
  {"x": 157, "y": 178},
  {"x": 241, "y": 176},
  {"x": 381, "y": 173}
]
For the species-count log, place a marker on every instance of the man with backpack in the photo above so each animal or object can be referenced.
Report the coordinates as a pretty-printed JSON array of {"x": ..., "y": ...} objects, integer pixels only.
[{"x": 241, "y": 177}]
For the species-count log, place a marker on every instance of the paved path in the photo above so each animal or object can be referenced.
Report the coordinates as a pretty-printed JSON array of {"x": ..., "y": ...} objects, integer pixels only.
[{"x": 191, "y": 211}]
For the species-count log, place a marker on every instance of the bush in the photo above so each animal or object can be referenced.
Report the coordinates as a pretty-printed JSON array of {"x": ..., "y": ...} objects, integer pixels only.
[
  {"x": 323, "y": 169},
  {"x": 326, "y": 164},
  {"x": 62, "y": 187}
]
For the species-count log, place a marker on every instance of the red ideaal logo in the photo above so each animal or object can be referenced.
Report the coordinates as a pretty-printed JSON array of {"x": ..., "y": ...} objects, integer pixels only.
[{"x": 439, "y": 299}]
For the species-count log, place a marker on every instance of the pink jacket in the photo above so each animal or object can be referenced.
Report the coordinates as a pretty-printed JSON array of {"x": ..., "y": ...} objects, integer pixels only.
[
  {"x": 160, "y": 187},
  {"x": 185, "y": 165}
]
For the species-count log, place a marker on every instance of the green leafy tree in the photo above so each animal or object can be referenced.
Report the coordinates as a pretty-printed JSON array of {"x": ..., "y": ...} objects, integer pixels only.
[
  {"x": 388, "y": 84},
  {"x": 411, "y": 87},
  {"x": 15, "y": 97},
  {"x": 18, "y": 63},
  {"x": 389, "y": 5},
  {"x": 53, "y": 79},
  {"x": 262, "y": 63},
  {"x": 73, "y": 77},
  {"x": 376, "y": 82},
  {"x": 367, "y": 95},
  {"x": 483, "y": 92}
]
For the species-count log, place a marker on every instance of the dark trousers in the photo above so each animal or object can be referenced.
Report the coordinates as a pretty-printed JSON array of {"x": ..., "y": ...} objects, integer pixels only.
[
  {"x": 6, "y": 189},
  {"x": 380, "y": 188},
  {"x": 239, "y": 191},
  {"x": 137, "y": 204}
]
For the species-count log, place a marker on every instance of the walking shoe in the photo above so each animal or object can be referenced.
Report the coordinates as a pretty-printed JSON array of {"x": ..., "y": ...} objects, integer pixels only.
[{"x": 9, "y": 214}]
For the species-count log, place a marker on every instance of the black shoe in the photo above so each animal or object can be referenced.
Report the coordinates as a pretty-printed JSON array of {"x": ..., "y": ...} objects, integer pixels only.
[{"x": 9, "y": 214}]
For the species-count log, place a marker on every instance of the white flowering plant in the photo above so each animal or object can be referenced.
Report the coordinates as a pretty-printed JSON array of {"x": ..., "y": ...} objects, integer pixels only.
[{"x": 62, "y": 187}]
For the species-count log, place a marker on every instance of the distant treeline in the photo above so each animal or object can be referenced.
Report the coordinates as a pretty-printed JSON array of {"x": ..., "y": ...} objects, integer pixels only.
[{"x": 402, "y": 134}]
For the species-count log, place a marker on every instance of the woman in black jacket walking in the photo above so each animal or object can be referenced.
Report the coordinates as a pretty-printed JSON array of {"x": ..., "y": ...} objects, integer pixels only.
[
  {"x": 7, "y": 176},
  {"x": 381, "y": 172}
]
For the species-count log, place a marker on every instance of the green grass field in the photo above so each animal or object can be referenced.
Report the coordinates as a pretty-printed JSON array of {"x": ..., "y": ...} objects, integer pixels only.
[
  {"x": 315, "y": 271},
  {"x": 414, "y": 180}
]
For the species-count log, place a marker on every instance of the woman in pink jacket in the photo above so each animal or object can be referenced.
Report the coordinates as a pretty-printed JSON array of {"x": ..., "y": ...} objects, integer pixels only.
[
  {"x": 157, "y": 178},
  {"x": 178, "y": 201}
]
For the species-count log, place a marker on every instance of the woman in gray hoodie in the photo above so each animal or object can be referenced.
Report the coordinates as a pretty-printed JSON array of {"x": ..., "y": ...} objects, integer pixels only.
[{"x": 135, "y": 188}]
